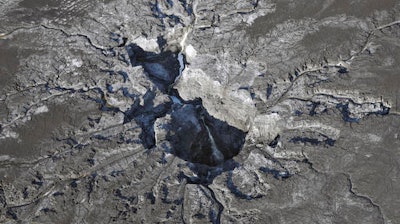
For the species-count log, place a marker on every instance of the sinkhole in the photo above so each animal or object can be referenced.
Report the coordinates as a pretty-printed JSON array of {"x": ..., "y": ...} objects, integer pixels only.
[{"x": 192, "y": 133}]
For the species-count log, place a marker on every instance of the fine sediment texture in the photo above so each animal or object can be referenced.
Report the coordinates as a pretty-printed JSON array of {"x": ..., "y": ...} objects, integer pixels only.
[{"x": 187, "y": 111}]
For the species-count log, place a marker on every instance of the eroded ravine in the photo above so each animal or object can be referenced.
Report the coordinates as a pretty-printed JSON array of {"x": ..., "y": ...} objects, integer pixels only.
[
  {"x": 308, "y": 145},
  {"x": 192, "y": 133}
]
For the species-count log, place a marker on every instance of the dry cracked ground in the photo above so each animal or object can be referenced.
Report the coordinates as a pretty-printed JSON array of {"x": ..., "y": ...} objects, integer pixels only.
[{"x": 200, "y": 111}]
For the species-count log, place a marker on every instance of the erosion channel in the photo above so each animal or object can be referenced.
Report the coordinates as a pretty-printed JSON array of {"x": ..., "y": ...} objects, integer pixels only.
[{"x": 192, "y": 133}]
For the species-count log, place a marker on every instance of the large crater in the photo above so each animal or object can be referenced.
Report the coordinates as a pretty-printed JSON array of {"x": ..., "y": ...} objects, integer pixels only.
[{"x": 192, "y": 133}]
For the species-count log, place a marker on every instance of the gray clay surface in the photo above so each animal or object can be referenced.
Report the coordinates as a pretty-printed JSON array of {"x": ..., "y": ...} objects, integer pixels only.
[{"x": 200, "y": 111}]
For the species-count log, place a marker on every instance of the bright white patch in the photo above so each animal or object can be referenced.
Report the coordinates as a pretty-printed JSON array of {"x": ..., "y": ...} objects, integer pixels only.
[
  {"x": 42, "y": 109},
  {"x": 257, "y": 160},
  {"x": 250, "y": 19},
  {"x": 374, "y": 138},
  {"x": 266, "y": 125},
  {"x": 181, "y": 64},
  {"x": 122, "y": 104},
  {"x": 77, "y": 63},
  {"x": 8, "y": 134},
  {"x": 184, "y": 37},
  {"x": 147, "y": 44},
  {"x": 190, "y": 53},
  {"x": 332, "y": 132},
  {"x": 244, "y": 96}
]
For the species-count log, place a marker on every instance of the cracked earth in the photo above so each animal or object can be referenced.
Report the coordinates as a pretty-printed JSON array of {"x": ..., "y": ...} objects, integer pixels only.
[{"x": 175, "y": 111}]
